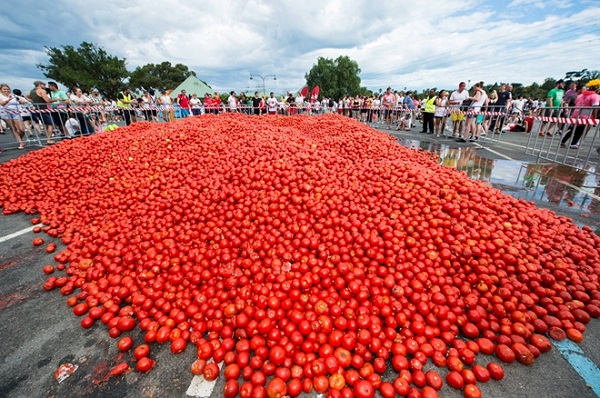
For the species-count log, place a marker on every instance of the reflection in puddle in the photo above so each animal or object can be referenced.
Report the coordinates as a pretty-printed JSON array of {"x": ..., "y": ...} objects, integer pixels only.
[{"x": 560, "y": 185}]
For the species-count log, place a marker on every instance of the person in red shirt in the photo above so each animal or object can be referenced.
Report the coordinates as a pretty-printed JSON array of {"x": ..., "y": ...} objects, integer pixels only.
[
  {"x": 184, "y": 102},
  {"x": 217, "y": 103}
]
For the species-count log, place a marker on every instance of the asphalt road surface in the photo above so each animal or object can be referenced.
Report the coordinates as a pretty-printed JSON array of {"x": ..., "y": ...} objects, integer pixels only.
[{"x": 39, "y": 333}]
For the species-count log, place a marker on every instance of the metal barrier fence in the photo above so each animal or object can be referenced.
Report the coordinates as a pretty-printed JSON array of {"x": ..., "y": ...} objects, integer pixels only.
[
  {"x": 569, "y": 136},
  {"x": 579, "y": 126}
]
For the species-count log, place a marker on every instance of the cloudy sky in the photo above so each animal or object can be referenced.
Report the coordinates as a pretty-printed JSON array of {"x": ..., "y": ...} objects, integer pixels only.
[{"x": 413, "y": 44}]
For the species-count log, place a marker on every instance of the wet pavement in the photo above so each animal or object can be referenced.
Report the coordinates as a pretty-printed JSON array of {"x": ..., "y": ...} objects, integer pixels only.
[{"x": 39, "y": 332}]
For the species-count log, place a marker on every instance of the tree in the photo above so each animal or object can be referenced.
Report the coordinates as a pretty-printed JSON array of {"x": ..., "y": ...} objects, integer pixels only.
[
  {"x": 161, "y": 76},
  {"x": 86, "y": 67},
  {"x": 335, "y": 78}
]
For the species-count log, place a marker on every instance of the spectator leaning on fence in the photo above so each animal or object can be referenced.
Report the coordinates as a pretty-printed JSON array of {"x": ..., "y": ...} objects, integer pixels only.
[
  {"x": 59, "y": 108},
  {"x": 554, "y": 101},
  {"x": 584, "y": 109},
  {"x": 81, "y": 103},
  {"x": 41, "y": 100},
  {"x": 9, "y": 112},
  {"x": 196, "y": 105}
]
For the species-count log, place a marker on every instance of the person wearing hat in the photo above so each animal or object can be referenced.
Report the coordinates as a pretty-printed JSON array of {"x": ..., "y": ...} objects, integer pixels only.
[
  {"x": 41, "y": 101},
  {"x": 554, "y": 101}
]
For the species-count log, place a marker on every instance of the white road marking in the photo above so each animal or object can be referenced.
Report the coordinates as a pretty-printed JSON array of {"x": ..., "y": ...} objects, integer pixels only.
[
  {"x": 495, "y": 152},
  {"x": 15, "y": 234},
  {"x": 202, "y": 388}
]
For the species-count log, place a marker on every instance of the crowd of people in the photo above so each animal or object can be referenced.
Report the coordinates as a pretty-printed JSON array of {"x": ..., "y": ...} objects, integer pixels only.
[{"x": 463, "y": 115}]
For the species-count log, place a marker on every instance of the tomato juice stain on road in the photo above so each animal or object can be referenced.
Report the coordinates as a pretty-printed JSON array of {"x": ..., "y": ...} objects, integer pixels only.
[{"x": 7, "y": 264}]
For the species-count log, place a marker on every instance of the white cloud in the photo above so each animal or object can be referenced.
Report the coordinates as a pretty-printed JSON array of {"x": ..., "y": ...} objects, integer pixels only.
[{"x": 417, "y": 45}]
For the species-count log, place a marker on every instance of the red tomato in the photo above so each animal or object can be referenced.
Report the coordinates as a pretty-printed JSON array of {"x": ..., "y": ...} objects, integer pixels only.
[
  {"x": 144, "y": 364},
  {"x": 496, "y": 371},
  {"x": 472, "y": 391},
  {"x": 178, "y": 345},
  {"x": 481, "y": 374},
  {"x": 363, "y": 389},
  {"x": 429, "y": 392},
  {"x": 505, "y": 354},
  {"x": 48, "y": 269},
  {"x": 231, "y": 389},
  {"x": 125, "y": 344},
  {"x": 294, "y": 387},
  {"x": 387, "y": 390},
  {"x": 276, "y": 388},
  {"x": 434, "y": 380},
  {"x": 455, "y": 380},
  {"x": 80, "y": 309},
  {"x": 141, "y": 351},
  {"x": 277, "y": 355},
  {"x": 197, "y": 367},
  {"x": 321, "y": 384},
  {"x": 337, "y": 381},
  {"x": 211, "y": 371}
]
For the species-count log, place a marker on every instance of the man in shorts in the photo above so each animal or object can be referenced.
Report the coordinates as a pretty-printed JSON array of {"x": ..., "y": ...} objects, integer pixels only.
[
  {"x": 59, "y": 108},
  {"x": 388, "y": 101},
  {"x": 456, "y": 115},
  {"x": 184, "y": 103},
  {"x": 554, "y": 101},
  {"x": 41, "y": 100}
]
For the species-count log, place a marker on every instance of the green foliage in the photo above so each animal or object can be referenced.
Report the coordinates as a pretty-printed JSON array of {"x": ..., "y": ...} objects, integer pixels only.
[
  {"x": 335, "y": 78},
  {"x": 161, "y": 76},
  {"x": 87, "y": 66}
]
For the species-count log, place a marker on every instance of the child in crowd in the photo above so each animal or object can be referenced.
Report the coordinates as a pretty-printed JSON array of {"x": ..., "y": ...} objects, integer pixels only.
[
  {"x": 72, "y": 126},
  {"x": 405, "y": 123}
]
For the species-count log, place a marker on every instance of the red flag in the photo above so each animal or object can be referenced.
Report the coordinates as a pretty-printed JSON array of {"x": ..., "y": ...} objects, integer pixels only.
[{"x": 315, "y": 94}]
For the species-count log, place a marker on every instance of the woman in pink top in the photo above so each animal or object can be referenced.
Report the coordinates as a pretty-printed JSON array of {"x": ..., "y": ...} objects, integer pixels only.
[{"x": 583, "y": 110}]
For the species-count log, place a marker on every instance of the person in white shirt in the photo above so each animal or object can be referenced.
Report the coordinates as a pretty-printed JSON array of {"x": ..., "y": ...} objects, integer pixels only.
[
  {"x": 375, "y": 111},
  {"x": 196, "y": 105},
  {"x": 457, "y": 116},
  {"x": 405, "y": 123},
  {"x": 232, "y": 102},
  {"x": 81, "y": 102},
  {"x": 272, "y": 104},
  {"x": 72, "y": 126},
  {"x": 299, "y": 102},
  {"x": 165, "y": 105}
]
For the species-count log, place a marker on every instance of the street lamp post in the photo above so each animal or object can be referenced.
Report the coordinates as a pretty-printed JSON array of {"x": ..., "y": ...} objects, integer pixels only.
[{"x": 263, "y": 80}]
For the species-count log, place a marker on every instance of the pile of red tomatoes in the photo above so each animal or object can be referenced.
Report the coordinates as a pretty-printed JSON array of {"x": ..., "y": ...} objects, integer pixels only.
[{"x": 306, "y": 254}]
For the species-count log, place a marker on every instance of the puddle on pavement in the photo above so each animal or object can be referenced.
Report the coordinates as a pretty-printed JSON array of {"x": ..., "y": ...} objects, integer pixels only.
[{"x": 564, "y": 186}]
